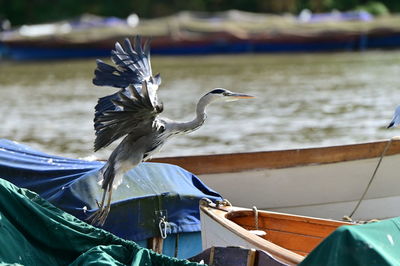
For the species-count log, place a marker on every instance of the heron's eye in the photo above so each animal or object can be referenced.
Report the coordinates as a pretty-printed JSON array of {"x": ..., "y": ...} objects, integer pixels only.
[{"x": 217, "y": 91}]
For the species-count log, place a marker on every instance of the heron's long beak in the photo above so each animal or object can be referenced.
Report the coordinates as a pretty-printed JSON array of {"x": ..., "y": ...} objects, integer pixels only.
[{"x": 240, "y": 96}]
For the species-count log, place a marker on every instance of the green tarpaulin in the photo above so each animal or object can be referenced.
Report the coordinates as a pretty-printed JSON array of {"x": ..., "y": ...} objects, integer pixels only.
[
  {"x": 368, "y": 244},
  {"x": 34, "y": 232}
]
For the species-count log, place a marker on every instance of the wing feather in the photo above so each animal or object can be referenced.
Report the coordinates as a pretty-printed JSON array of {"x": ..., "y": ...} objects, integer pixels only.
[
  {"x": 133, "y": 66},
  {"x": 136, "y": 104},
  {"x": 136, "y": 115},
  {"x": 145, "y": 91}
]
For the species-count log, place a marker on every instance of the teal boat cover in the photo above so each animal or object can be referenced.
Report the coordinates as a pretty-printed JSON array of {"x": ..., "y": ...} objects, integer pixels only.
[
  {"x": 375, "y": 243},
  {"x": 34, "y": 232},
  {"x": 148, "y": 193}
]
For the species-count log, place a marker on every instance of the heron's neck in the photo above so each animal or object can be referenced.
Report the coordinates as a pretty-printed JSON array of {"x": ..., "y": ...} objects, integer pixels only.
[{"x": 186, "y": 127}]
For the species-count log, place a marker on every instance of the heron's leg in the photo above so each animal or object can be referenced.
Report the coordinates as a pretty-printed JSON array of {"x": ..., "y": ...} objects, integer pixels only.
[
  {"x": 109, "y": 199},
  {"x": 106, "y": 208},
  {"x": 95, "y": 216},
  {"x": 101, "y": 205}
]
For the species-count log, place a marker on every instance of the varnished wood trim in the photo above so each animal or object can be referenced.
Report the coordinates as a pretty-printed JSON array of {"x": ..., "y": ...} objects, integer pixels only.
[
  {"x": 269, "y": 223},
  {"x": 275, "y": 250},
  {"x": 251, "y": 257},
  {"x": 282, "y": 216},
  {"x": 237, "y": 162}
]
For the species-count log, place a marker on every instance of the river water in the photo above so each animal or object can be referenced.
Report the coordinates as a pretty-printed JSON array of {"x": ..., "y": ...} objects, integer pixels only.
[{"x": 302, "y": 100}]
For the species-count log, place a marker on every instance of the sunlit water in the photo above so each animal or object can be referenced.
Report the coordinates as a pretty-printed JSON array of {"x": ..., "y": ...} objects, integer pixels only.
[{"x": 303, "y": 100}]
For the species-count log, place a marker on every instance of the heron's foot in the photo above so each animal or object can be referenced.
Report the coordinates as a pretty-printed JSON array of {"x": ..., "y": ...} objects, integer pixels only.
[{"x": 99, "y": 217}]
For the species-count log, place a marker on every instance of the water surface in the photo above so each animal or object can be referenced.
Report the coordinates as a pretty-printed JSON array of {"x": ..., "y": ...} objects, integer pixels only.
[{"x": 303, "y": 100}]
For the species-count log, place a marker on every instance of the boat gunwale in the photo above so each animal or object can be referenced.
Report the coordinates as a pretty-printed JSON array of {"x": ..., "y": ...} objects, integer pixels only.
[{"x": 276, "y": 159}]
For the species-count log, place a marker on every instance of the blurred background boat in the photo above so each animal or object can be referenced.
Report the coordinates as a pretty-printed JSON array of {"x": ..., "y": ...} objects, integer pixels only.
[{"x": 204, "y": 33}]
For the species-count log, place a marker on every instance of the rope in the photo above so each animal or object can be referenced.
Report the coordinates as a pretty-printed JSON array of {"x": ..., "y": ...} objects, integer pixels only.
[
  {"x": 205, "y": 202},
  {"x": 255, "y": 216},
  {"x": 372, "y": 177}
]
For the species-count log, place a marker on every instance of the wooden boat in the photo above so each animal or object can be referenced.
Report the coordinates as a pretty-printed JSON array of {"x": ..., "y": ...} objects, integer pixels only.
[
  {"x": 287, "y": 238},
  {"x": 323, "y": 182}
]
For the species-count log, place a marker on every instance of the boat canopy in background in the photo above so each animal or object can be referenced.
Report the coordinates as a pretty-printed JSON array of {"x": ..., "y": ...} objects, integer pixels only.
[
  {"x": 148, "y": 193},
  {"x": 375, "y": 243},
  {"x": 34, "y": 232}
]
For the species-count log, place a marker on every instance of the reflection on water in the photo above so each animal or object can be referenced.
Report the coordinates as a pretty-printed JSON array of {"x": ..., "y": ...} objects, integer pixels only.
[{"x": 302, "y": 100}]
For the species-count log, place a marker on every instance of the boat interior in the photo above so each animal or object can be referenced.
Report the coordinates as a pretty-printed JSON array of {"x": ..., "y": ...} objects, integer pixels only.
[{"x": 296, "y": 233}]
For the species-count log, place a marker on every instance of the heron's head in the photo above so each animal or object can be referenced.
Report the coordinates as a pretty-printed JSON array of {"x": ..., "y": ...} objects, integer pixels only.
[{"x": 224, "y": 95}]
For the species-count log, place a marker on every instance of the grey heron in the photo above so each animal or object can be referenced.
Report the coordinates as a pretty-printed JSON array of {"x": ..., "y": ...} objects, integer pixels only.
[
  {"x": 133, "y": 113},
  {"x": 396, "y": 118}
]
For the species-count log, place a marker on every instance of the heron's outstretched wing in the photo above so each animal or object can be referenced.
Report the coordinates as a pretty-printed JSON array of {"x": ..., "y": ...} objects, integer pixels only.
[
  {"x": 132, "y": 66},
  {"x": 132, "y": 69},
  {"x": 134, "y": 113}
]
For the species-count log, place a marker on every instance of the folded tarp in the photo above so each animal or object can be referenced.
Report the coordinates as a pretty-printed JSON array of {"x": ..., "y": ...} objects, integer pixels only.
[
  {"x": 34, "y": 232},
  {"x": 368, "y": 244},
  {"x": 148, "y": 192}
]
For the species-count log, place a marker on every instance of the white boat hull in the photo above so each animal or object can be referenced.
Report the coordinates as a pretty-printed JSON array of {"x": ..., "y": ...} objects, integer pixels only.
[
  {"x": 326, "y": 191},
  {"x": 324, "y": 182},
  {"x": 215, "y": 235}
]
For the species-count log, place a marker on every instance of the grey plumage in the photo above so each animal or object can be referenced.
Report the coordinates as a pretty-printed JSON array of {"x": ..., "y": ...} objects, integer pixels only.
[
  {"x": 132, "y": 66},
  {"x": 133, "y": 113}
]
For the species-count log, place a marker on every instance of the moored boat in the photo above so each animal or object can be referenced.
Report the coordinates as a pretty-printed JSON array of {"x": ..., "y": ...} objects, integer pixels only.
[
  {"x": 193, "y": 33},
  {"x": 323, "y": 182},
  {"x": 287, "y": 238}
]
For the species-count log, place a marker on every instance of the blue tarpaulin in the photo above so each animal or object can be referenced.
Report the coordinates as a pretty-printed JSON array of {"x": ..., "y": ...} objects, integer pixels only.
[{"x": 148, "y": 191}]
